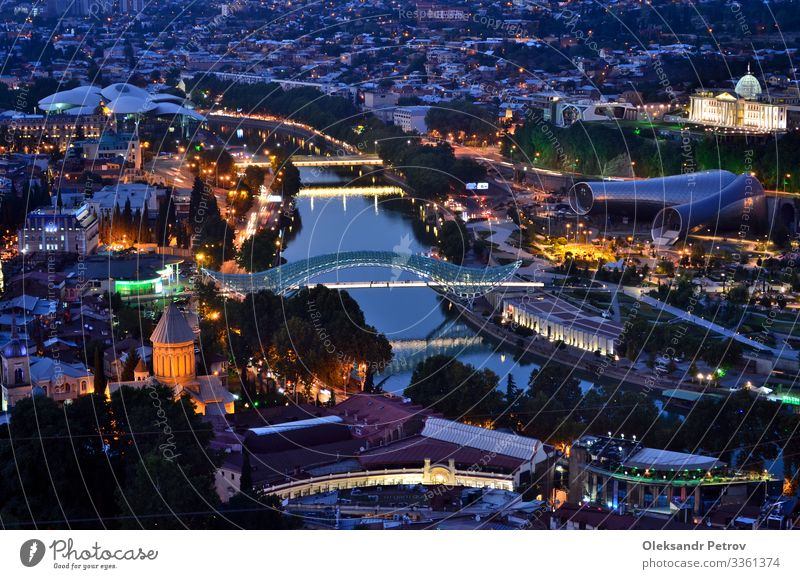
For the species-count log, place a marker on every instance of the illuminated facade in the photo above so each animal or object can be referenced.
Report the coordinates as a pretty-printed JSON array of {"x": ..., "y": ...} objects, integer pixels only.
[
  {"x": 558, "y": 320},
  {"x": 623, "y": 475},
  {"x": 60, "y": 230},
  {"x": 743, "y": 110},
  {"x": 59, "y": 129},
  {"x": 173, "y": 348}
]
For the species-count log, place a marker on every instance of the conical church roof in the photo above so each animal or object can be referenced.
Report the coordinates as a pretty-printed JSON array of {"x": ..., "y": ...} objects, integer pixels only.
[
  {"x": 172, "y": 328},
  {"x": 141, "y": 366}
]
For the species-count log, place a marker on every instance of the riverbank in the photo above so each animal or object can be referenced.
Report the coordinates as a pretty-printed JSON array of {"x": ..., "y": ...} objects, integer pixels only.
[{"x": 586, "y": 365}]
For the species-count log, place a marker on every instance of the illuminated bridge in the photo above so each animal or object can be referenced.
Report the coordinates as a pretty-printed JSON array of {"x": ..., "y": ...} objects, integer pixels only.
[
  {"x": 335, "y": 161},
  {"x": 449, "y": 339},
  {"x": 465, "y": 282},
  {"x": 355, "y": 191}
]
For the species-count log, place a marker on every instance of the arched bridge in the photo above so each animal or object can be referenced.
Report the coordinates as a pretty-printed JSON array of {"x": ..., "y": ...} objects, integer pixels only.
[{"x": 466, "y": 282}]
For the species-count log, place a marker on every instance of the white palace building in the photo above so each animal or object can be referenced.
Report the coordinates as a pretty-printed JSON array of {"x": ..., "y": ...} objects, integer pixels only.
[{"x": 747, "y": 109}]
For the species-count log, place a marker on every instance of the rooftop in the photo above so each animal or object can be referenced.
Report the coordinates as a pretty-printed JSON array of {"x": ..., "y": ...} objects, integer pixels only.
[{"x": 172, "y": 328}]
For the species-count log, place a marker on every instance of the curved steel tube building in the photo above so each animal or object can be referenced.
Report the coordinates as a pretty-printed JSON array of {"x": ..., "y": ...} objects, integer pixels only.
[
  {"x": 645, "y": 197},
  {"x": 741, "y": 202},
  {"x": 679, "y": 203}
]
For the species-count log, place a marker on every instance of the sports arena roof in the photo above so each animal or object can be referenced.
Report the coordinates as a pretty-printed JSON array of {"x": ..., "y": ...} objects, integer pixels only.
[
  {"x": 120, "y": 99},
  {"x": 82, "y": 96}
]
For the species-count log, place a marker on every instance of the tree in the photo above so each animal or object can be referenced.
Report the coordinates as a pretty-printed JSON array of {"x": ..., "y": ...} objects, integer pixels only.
[
  {"x": 259, "y": 251},
  {"x": 258, "y": 512},
  {"x": 738, "y": 294},
  {"x": 100, "y": 381},
  {"x": 131, "y": 360},
  {"x": 665, "y": 267},
  {"x": 40, "y": 470},
  {"x": 512, "y": 402},
  {"x": 160, "y": 495},
  {"x": 455, "y": 389},
  {"x": 454, "y": 241},
  {"x": 467, "y": 121}
]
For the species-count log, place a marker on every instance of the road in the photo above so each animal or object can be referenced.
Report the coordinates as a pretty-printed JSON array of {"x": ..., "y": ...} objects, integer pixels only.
[
  {"x": 636, "y": 293},
  {"x": 170, "y": 171}
]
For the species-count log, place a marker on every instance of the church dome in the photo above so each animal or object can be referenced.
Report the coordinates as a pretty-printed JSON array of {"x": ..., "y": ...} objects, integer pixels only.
[{"x": 748, "y": 86}]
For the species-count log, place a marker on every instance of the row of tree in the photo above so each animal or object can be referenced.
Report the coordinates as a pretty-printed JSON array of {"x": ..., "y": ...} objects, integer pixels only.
[
  {"x": 607, "y": 150},
  {"x": 431, "y": 171},
  {"x": 316, "y": 335}
]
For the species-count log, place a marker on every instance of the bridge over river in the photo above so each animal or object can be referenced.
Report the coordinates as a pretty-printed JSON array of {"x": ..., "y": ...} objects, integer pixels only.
[{"x": 457, "y": 280}]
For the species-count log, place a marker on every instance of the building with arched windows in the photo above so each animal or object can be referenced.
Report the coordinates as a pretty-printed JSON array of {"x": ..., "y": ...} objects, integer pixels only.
[
  {"x": 173, "y": 349},
  {"x": 22, "y": 373}
]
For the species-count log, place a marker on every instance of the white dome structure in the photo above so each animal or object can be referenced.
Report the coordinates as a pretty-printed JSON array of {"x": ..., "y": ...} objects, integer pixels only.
[
  {"x": 130, "y": 105},
  {"x": 748, "y": 86},
  {"x": 119, "y": 99},
  {"x": 171, "y": 109},
  {"x": 166, "y": 97},
  {"x": 120, "y": 89},
  {"x": 82, "y": 96},
  {"x": 80, "y": 111}
]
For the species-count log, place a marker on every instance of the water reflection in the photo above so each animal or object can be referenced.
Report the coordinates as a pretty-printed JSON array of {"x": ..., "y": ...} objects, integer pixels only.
[{"x": 416, "y": 320}]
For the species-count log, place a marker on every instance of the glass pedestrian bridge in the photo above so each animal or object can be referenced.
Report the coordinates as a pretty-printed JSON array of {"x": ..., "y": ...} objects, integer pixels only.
[{"x": 464, "y": 282}]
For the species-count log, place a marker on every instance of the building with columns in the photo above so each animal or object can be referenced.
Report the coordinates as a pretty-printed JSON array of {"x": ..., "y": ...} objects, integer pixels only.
[
  {"x": 746, "y": 109},
  {"x": 557, "y": 319}
]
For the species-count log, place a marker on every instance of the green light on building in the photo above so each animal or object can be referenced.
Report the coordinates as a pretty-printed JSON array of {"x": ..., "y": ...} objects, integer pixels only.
[{"x": 134, "y": 287}]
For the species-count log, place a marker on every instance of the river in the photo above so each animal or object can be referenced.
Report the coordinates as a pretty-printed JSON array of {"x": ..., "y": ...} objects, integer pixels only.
[{"x": 415, "y": 320}]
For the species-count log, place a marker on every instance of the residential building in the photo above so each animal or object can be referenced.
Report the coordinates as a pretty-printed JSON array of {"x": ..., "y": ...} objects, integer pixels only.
[
  {"x": 411, "y": 119},
  {"x": 142, "y": 197},
  {"x": 55, "y": 229}
]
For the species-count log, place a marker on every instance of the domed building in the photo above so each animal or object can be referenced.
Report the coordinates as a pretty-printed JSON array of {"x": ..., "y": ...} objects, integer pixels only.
[
  {"x": 748, "y": 86},
  {"x": 24, "y": 375},
  {"x": 745, "y": 110},
  {"x": 119, "y": 99},
  {"x": 174, "y": 365},
  {"x": 16, "y": 375}
]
